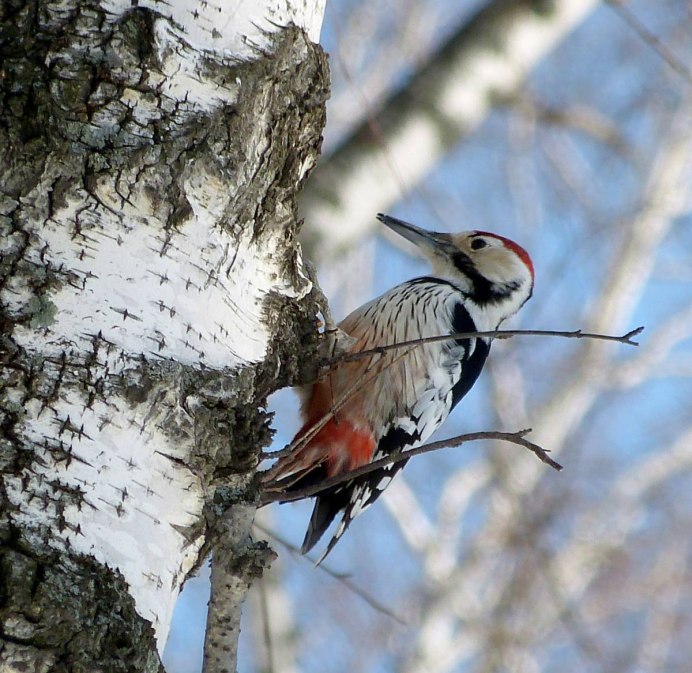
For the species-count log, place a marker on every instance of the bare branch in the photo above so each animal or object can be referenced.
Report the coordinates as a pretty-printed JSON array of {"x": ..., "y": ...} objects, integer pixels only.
[
  {"x": 495, "y": 334},
  {"x": 304, "y": 438},
  {"x": 266, "y": 629},
  {"x": 650, "y": 39},
  {"x": 275, "y": 494},
  {"x": 339, "y": 577},
  {"x": 580, "y": 118},
  {"x": 236, "y": 563}
]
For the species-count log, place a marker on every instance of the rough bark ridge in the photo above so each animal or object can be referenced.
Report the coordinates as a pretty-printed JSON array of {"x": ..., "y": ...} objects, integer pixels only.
[{"x": 151, "y": 296}]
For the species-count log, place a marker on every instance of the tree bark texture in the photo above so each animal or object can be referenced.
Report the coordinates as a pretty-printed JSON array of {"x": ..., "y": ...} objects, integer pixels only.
[
  {"x": 151, "y": 297},
  {"x": 236, "y": 563}
]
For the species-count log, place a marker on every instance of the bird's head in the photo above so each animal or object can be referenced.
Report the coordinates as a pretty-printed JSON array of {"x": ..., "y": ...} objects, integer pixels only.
[{"x": 490, "y": 268}]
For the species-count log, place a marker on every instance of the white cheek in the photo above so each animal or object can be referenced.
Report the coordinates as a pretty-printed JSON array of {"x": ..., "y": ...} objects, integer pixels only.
[
  {"x": 497, "y": 265},
  {"x": 444, "y": 268}
]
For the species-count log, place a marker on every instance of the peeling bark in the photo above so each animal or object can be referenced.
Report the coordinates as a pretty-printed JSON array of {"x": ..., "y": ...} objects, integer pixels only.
[{"x": 151, "y": 296}]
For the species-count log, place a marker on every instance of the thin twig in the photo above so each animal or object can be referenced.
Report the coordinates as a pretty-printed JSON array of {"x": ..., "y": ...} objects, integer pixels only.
[
  {"x": 339, "y": 577},
  {"x": 266, "y": 628},
  {"x": 517, "y": 438},
  {"x": 275, "y": 493},
  {"x": 650, "y": 39},
  {"x": 381, "y": 350},
  {"x": 298, "y": 442},
  {"x": 495, "y": 334}
]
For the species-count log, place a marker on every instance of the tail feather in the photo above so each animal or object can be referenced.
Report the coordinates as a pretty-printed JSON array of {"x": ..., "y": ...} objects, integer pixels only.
[
  {"x": 344, "y": 443},
  {"x": 345, "y": 522},
  {"x": 349, "y": 500},
  {"x": 327, "y": 506}
]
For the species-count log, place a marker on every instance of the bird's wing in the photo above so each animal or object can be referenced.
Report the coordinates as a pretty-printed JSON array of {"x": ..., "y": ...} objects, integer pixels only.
[
  {"x": 395, "y": 381},
  {"x": 356, "y": 495},
  {"x": 404, "y": 394}
]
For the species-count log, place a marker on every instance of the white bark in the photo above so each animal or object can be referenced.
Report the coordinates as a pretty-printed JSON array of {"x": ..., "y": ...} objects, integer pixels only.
[
  {"x": 166, "y": 246},
  {"x": 236, "y": 30}
]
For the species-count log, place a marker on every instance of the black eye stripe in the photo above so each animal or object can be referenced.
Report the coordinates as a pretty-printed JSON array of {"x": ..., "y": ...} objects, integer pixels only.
[{"x": 478, "y": 243}]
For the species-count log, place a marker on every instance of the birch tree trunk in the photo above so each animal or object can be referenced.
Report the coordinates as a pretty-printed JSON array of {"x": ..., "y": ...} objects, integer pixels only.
[{"x": 152, "y": 295}]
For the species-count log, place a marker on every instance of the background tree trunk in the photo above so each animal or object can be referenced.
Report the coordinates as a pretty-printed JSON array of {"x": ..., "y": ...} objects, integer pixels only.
[
  {"x": 393, "y": 148},
  {"x": 152, "y": 295}
]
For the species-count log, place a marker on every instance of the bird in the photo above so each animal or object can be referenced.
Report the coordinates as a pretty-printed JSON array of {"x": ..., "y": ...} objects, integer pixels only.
[{"x": 389, "y": 401}]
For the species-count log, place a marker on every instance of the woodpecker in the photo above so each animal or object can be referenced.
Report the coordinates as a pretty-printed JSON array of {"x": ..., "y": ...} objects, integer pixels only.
[{"x": 394, "y": 400}]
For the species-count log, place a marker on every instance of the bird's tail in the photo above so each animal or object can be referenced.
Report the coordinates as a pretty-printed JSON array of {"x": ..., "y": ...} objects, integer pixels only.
[{"x": 327, "y": 506}]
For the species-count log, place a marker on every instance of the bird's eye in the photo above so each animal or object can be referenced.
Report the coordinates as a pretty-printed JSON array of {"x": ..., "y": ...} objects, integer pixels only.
[{"x": 478, "y": 243}]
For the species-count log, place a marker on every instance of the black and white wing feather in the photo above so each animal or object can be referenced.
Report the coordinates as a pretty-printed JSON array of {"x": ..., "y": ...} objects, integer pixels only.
[{"x": 431, "y": 379}]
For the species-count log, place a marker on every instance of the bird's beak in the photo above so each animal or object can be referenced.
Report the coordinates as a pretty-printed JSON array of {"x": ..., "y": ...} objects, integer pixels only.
[{"x": 429, "y": 240}]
